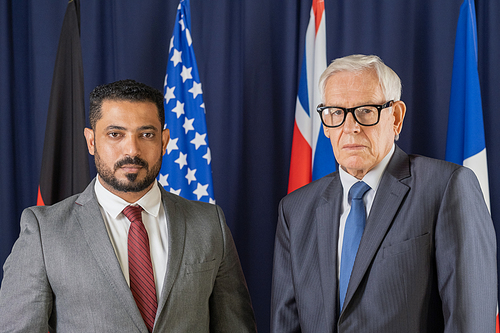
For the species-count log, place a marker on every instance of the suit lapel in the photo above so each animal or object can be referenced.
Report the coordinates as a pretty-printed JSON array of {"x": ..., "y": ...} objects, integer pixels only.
[
  {"x": 176, "y": 225},
  {"x": 94, "y": 230},
  {"x": 327, "y": 217},
  {"x": 390, "y": 194}
]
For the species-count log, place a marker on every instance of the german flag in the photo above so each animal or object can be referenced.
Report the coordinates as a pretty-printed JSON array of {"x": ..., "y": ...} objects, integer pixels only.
[{"x": 65, "y": 166}]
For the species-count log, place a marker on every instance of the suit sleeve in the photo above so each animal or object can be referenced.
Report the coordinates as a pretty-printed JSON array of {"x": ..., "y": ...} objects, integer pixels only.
[
  {"x": 466, "y": 257},
  {"x": 230, "y": 304},
  {"x": 284, "y": 315},
  {"x": 25, "y": 294}
]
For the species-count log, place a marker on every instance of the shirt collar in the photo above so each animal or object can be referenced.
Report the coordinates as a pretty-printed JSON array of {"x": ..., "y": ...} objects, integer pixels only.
[
  {"x": 372, "y": 178},
  {"x": 114, "y": 205}
]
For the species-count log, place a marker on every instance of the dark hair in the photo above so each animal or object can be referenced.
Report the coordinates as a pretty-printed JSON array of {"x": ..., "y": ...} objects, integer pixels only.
[{"x": 124, "y": 90}]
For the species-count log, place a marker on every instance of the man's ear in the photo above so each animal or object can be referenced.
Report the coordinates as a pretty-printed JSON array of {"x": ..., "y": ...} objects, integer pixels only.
[
  {"x": 89, "y": 137},
  {"x": 165, "y": 138},
  {"x": 326, "y": 131},
  {"x": 399, "y": 111}
]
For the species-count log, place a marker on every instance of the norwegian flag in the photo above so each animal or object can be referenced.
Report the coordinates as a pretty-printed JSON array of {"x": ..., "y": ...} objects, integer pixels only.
[
  {"x": 186, "y": 168},
  {"x": 312, "y": 155}
]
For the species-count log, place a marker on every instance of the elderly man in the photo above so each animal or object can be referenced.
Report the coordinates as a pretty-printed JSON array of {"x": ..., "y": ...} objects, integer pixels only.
[
  {"x": 125, "y": 255},
  {"x": 389, "y": 243}
]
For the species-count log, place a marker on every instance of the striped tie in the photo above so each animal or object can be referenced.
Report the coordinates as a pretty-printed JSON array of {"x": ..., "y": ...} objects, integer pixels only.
[{"x": 142, "y": 283}]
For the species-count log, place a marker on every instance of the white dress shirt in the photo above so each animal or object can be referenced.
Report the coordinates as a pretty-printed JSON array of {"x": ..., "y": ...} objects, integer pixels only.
[
  {"x": 155, "y": 222},
  {"x": 372, "y": 178}
]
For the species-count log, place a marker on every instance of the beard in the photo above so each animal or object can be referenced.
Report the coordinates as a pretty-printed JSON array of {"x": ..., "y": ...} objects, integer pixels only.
[{"x": 133, "y": 185}]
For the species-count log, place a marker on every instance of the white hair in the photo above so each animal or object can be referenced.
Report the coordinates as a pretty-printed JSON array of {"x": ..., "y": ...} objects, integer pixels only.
[{"x": 389, "y": 80}]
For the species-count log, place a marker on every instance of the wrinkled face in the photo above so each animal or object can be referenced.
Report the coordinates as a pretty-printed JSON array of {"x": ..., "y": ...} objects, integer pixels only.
[
  {"x": 128, "y": 144},
  {"x": 357, "y": 148}
]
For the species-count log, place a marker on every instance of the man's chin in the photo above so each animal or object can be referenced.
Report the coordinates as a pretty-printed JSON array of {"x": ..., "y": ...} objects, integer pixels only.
[{"x": 131, "y": 178}]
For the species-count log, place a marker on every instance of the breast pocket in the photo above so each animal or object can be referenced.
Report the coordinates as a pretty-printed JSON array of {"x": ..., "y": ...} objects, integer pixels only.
[
  {"x": 418, "y": 245},
  {"x": 201, "y": 267}
]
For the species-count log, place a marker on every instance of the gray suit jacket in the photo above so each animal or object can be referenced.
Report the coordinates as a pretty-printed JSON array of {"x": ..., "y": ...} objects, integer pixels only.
[
  {"x": 63, "y": 274},
  {"x": 426, "y": 261}
]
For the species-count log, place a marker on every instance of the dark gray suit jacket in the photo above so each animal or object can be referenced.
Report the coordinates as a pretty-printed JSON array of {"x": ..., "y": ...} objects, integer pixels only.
[
  {"x": 63, "y": 274},
  {"x": 426, "y": 261}
]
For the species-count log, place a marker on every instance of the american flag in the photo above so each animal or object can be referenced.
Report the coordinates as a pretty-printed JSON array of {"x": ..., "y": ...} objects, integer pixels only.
[
  {"x": 186, "y": 168},
  {"x": 312, "y": 154}
]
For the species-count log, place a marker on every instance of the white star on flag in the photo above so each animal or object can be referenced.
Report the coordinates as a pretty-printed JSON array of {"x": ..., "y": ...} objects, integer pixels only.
[
  {"x": 182, "y": 160},
  {"x": 185, "y": 119},
  {"x": 186, "y": 73},
  {"x": 172, "y": 145},
  {"x": 179, "y": 109},
  {"x": 199, "y": 140},
  {"x": 169, "y": 94},
  {"x": 171, "y": 44},
  {"x": 201, "y": 190},
  {"x": 208, "y": 156},
  {"x": 163, "y": 180},
  {"x": 178, "y": 192},
  {"x": 196, "y": 90},
  {"x": 190, "y": 175},
  {"x": 177, "y": 57},
  {"x": 188, "y": 125}
]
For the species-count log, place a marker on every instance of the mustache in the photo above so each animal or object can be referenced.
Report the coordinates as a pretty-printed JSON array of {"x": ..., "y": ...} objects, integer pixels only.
[{"x": 131, "y": 161}]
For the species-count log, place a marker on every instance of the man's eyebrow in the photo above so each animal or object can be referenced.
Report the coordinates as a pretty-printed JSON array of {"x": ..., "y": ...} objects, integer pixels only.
[
  {"x": 121, "y": 128},
  {"x": 115, "y": 127},
  {"x": 148, "y": 127}
]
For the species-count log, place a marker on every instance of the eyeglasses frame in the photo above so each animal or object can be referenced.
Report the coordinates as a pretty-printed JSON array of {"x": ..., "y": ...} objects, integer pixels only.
[{"x": 379, "y": 108}]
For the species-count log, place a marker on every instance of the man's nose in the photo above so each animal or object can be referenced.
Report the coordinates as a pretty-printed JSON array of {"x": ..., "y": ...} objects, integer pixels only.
[
  {"x": 132, "y": 147},
  {"x": 350, "y": 124}
]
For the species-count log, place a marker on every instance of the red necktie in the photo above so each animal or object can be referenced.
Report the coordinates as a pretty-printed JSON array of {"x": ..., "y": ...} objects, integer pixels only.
[{"x": 142, "y": 282}]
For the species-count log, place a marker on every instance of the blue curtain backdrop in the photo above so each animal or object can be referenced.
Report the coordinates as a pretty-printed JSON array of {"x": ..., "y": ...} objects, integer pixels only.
[{"x": 249, "y": 54}]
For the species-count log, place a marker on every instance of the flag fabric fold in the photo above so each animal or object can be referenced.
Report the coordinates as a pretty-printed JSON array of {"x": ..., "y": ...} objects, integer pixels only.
[
  {"x": 465, "y": 142},
  {"x": 65, "y": 165},
  {"x": 312, "y": 155},
  {"x": 186, "y": 168}
]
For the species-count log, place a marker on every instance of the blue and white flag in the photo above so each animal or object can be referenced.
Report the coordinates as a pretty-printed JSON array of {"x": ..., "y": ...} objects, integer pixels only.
[
  {"x": 465, "y": 141},
  {"x": 186, "y": 168}
]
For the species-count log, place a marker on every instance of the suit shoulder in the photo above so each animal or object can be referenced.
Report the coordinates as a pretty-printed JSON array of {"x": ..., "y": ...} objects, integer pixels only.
[
  {"x": 60, "y": 207},
  {"x": 438, "y": 175},
  {"x": 190, "y": 206},
  {"x": 310, "y": 191},
  {"x": 435, "y": 167}
]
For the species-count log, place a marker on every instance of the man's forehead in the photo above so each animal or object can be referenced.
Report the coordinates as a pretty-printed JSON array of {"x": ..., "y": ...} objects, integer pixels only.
[
  {"x": 124, "y": 113},
  {"x": 356, "y": 87}
]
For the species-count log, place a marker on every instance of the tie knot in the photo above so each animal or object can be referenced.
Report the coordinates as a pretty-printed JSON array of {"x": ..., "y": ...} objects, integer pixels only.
[
  {"x": 358, "y": 190},
  {"x": 133, "y": 213}
]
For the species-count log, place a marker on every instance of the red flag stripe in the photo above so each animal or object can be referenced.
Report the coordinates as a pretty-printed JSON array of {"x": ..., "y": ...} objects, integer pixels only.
[{"x": 300, "y": 162}]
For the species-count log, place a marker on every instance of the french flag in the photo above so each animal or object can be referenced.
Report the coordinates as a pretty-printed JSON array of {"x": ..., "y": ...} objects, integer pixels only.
[
  {"x": 465, "y": 139},
  {"x": 312, "y": 154}
]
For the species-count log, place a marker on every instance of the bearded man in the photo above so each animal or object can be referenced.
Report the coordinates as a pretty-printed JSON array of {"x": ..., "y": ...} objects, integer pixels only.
[{"x": 125, "y": 255}]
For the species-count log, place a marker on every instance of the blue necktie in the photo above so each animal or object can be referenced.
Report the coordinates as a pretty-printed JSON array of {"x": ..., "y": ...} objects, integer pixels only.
[{"x": 354, "y": 226}]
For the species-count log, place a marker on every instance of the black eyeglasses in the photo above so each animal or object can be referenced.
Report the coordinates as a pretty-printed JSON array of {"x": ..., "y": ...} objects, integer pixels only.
[{"x": 366, "y": 115}]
